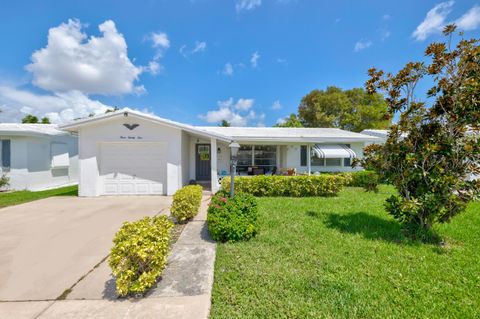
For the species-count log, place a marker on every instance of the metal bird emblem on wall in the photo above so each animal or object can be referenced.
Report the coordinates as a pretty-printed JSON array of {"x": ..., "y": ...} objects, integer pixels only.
[{"x": 131, "y": 126}]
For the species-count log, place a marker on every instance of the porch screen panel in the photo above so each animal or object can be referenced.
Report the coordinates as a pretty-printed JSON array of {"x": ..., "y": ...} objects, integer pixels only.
[
  {"x": 244, "y": 158},
  {"x": 265, "y": 156}
]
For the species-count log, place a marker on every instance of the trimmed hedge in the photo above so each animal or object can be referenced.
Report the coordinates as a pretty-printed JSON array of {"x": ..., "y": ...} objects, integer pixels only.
[
  {"x": 139, "y": 254},
  {"x": 292, "y": 186},
  {"x": 186, "y": 203},
  {"x": 232, "y": 219},
  {"x": 369, "y": 180}
]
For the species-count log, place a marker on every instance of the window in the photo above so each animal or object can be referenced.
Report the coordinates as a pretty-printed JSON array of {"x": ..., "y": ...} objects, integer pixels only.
[
  {"x": 315, "y": 161},
  {"x": 60, "y": 156},
  {"x": 5, "y": 152},
  {"x": 261, "y": 156},
  {"x": 303, "y": 155},
  {"x": 264, "y": 155},
  {"x": 333, "y": 162}
]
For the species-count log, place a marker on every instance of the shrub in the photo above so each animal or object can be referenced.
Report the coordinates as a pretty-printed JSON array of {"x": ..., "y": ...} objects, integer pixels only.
[
  {"x": 139, "y": 254},
  {"x": 232, "y": 219},
  {"x": 369, "y": 180},
  {"x": 4, "y": 181},
  {"x": 293, "y": 186},
  {"x": 186, "y": 202}
]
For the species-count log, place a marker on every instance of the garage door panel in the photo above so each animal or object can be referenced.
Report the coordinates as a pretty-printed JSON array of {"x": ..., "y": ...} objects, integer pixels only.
[{"x": 133, "y": 168}]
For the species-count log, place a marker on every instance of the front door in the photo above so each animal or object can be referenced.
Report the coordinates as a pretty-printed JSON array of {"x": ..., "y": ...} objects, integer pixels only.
[{"x": 202, "y": 162}]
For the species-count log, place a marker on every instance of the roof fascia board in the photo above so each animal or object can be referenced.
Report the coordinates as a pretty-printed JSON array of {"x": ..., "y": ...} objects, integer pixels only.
[{"x": 187, "y": 128}]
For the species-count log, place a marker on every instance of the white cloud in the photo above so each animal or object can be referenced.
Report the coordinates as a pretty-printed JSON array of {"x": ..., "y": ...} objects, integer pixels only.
[
  {"x": 247, "y": 4},
  {"x": 59, "y": 107},
  {"x": 228, "y": 69},
  {"x": 282, "y": 61},
  {"x": 71, "y": 67},
  {"x": 281, "y": 120},
  {"x": 233, "y": 112},
  {"x": 200, "y": 46},
  {"x": 362, "y": 44},
  {"x": 254, "y": 59},
  {"x": 276, "y": 105},
  {"x": 159, "y": 40},
  {"x": 470, "y": 20},
  {"x": 153, "y": 67},
  {"x": 434, "y": 21},
  {"x": 244, "y": 104},
  {"x": 99, "y": 65}
]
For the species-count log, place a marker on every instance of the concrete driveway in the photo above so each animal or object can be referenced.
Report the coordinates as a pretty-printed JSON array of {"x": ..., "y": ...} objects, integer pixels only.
[{"x": 46, "y": 246}]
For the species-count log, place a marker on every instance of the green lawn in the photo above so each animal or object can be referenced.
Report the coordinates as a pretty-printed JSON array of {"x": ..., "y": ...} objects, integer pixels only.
[
  {"x": 344, "y": 257},
  {"x": 19, "y": 197}
]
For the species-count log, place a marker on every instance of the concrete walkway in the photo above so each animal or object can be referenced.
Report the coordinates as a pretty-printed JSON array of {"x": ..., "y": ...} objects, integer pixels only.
[{"x": 183, "y": 292}]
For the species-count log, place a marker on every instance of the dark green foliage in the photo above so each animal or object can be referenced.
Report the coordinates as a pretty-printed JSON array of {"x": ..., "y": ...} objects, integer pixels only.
[
  {"x": 431, "y": 152},
  {"x": 225, "y": 123},
  {"x": 232, "y": 219},
  {"x": 45, "y": 120},
  {"x": 352, "y": 110},
  {"x": 369, "y": 180},
  {"x": 30, "y": 119},
  {"x": 291, "y": 121},
  {"x": 293, "y": 186}
]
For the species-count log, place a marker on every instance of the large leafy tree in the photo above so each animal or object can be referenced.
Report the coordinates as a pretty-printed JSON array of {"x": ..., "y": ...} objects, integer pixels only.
[
  {"x": 433, "y": 150},
  {"x": 32, "y": 119},
  {"x": 29, "y": 118},
  {"x": 352, "y": 110},
  {"x": 224, "y": 123},
  {"x": 45, "y": 120},
  {"x": 291, "y": 121}
]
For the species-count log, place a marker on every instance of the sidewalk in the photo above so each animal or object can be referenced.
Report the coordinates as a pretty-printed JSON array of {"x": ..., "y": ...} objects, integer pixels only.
[{"x": 183, "y": 292}]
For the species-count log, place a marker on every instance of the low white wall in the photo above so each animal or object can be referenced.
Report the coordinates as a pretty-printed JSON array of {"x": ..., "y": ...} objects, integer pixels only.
[
  {"x": 113, "y": 130},
  {"x": 30, "y": 162}
]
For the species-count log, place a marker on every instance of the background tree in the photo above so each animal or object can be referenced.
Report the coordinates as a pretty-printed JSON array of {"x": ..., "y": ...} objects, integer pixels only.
[
  {"x": 290, "y": 121},
  {"x": 432, "y": 151},
  {"x": 45, "y": 120},
  {"x": 112, "y": 110},
  {"x": 224, "y": 123},
  {"x": 29, "y": 118},
  {"x": 352, "y": 110}
]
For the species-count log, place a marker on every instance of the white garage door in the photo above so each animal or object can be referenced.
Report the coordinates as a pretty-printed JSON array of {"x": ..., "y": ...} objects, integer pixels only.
[{"x": 133, "y": 168}]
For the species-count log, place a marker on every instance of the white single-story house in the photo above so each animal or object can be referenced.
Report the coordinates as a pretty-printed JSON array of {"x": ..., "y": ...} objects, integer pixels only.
[
  {"x": 38, "y": 156},
  {"x": 129, "y": 152}
]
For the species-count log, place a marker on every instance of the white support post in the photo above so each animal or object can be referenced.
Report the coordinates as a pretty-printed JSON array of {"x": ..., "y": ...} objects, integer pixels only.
[
  {"x": 278, "y": 159},
  {"x": 309, "y": 159},
  {"x": 213, "y": 165}
]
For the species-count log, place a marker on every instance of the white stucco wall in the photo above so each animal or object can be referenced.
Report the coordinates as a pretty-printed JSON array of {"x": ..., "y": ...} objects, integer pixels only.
[
  {"x": 31, "y": 158},
  {"x": 292, "y": 159},
  {"x": 112, "y": 130}
]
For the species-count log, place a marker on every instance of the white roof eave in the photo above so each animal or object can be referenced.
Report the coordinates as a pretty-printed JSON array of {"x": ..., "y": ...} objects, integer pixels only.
[{"x": 73, "y": 126}]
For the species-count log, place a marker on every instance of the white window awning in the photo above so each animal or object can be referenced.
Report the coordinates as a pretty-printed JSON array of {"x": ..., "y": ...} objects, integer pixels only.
[{"x": 333, "y": 151}]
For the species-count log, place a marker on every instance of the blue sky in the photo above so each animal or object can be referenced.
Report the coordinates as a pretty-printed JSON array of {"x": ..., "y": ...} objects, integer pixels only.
[{"x": 197, "y": 61}]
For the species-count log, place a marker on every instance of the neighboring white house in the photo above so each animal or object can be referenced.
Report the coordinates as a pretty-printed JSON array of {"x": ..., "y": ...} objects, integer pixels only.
[
  {"x": 38, "y": 156},
  {"x": 381, "y": 134},
  {"x": 129, "y": 152}
]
